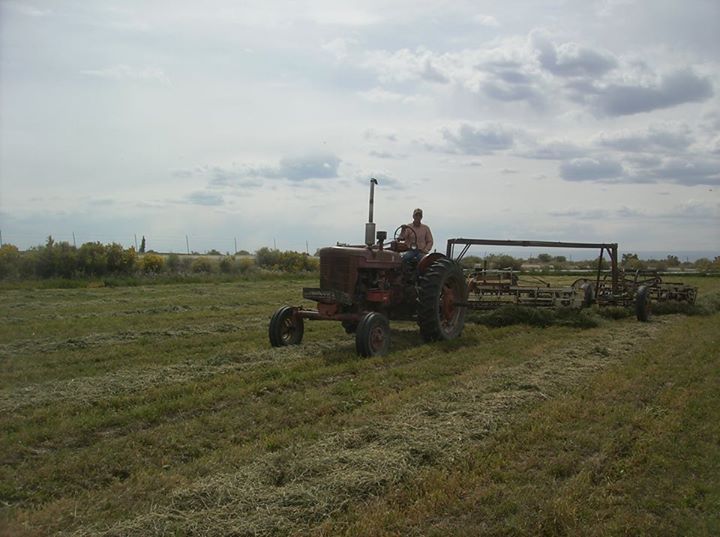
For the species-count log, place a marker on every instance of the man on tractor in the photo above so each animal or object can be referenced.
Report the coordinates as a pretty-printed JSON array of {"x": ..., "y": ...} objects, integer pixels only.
[{"x": 417, "y": 236}]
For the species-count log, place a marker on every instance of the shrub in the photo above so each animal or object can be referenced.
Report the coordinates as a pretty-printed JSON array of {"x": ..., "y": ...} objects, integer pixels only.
[
  {"x": 503, "y": 261},
  {"x": 202, "y": 264},
  {"x": 9, "y": 261},
  {"x": 173, "y": 264},
  {"x": 228, "y": 265},
  {"x": 285, "y": 261},
  {"x": 152, "y": 263}
]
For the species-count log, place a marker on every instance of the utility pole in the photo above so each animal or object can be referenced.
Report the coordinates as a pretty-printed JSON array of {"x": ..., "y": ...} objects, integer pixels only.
[
  {"x": 307, "y": 248},
  {"x": 187, "y": 244},
  {"x": 235, "y": 245},
  {"x": 135, "y": 235},
  {"x": 274, "y": 244},
  {"x": 75, "y": 245}
]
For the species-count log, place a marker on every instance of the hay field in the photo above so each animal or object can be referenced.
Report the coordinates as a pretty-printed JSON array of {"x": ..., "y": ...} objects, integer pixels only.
[{"x": 162, "y": 410}]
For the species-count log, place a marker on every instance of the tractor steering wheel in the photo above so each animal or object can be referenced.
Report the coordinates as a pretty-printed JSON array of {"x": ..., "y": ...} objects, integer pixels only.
[{"x": 398, "y": 240}]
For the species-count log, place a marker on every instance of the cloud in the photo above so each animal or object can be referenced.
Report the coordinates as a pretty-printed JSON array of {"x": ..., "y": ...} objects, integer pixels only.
[
  {"x": 672, "y": 138},
  {"x": 127, "y": 73},
  {"x": 386, "y": 155},
  {"x": 384, "y": 179},
  {"x": 486, "y": 20},
  {"x": 591, "y": 169},
  {"x": 405, "y": 65},
  {"x": 554, "y": 150},
  {"x": 202, "y": 197},
  {"x": 507, "y": 79},
  {"x": 571, "y": 59},
  {"x": 309, "y": 167},
  {"x": 599, "y": 214},
  {"x": 339, "y": 48},
  {"x": 296, "y": 169},
  {"x": 683, "y": 171},
  {"x": 478, "y": 140},
  {"x": 237, "y": 178},
  {"x": 689, "y": 210},
  {"x": 28, "y": 9},
  {"x": 383, "y": 96},
  {"x": 677, "y": 88},
  {"x": 385, "y": 136}
]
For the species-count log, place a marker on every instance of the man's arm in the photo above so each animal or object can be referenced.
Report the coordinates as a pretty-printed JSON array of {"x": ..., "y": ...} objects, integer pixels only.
[{"x": 430, "y": 241}]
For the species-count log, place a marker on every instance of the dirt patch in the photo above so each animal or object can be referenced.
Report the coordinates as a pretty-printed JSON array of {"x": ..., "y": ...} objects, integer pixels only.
[{"x": 298, "y": 487}]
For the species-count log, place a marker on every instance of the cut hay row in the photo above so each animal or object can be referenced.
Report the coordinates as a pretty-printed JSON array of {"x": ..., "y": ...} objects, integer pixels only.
[
  {"x": 84, "y": 391},
  {"x": 45, "y": 345},
  {"x": 298, "y": 487}
]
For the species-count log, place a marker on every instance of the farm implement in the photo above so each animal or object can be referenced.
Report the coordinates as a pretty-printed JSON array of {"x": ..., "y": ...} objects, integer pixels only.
[
  {"x": 489, "y": 289},
  {"x": 365, "y": 286}
]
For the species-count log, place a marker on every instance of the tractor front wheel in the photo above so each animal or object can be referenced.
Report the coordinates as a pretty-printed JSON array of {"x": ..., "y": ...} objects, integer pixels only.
[
  {"x": 285, "y": 328},
  {"x": 439, "y": 315},
  {"x": 373, "y": 335}
]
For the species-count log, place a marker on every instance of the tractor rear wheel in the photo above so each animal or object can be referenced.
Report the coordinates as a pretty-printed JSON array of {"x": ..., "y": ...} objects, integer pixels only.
[
  {"x": 285, "y": 328},
  {"x": 439, "y": 290},
  {"x": 373, "y": 335},
  {"x": 642, "y": 304}
]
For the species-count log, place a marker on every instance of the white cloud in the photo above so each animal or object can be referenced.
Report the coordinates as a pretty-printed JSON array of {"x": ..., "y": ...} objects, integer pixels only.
[
  {"x": 591, "y": 169},
  {"x": 127, "y": 73},
  {"x": 486, "y": 20},
  {"x": 478, "y": 139},
  {"x": 571, "y": 59},
  {"x": 666, "y": 137}
]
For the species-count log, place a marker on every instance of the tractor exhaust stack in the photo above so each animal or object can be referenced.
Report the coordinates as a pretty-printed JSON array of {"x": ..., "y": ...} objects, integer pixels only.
[{"x": 370, "y": 226}]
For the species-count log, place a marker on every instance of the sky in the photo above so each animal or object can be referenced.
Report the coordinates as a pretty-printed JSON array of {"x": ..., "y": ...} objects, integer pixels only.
[{"x": 235, "y": 124}]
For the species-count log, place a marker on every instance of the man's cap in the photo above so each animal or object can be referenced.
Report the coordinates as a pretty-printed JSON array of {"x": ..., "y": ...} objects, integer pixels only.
[{"x": 416, "y": 211}]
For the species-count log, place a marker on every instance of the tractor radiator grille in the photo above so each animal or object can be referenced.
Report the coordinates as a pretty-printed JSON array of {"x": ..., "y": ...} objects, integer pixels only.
[{"x": 336, "y": 273}]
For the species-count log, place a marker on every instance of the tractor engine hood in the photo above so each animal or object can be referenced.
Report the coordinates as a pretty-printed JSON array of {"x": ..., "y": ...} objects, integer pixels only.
[{"x": 363, "y": 256}]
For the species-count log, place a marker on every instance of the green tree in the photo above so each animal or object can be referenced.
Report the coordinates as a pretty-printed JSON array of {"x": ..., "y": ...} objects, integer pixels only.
[
  {"x": 93, "y": 259},
  {"x": 9, "y": 261}
]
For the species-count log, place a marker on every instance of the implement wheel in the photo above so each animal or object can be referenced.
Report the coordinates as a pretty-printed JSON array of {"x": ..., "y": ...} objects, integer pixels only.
[
  {"x": 588, "y": 295},
  {"x": 285, "y": 328},
  {"x": 373, "y": 335},
  {"x": 439, "y": 289},
  {"x": 642, "y": 304}
]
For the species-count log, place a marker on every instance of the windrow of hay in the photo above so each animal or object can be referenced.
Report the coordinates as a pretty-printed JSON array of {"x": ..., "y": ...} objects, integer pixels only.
[
  {"x": 90, "y": 389},
  {"x": 44, "y": 345},
  {"x": 298, "y": 487}
]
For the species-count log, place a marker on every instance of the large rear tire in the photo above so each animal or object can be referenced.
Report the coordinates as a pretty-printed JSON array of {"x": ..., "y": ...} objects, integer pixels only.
[
  {"x": 373, "y": 335},
  {"x": 642, "y": 304},
  {"x": 439, "y": 290},
  {"x": 285, "y": 328}
]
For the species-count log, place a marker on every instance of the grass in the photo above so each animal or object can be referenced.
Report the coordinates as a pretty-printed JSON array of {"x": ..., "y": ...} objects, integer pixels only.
[
  {"x": 634, "y": 451},
  {"x": 161, "y": 409}
]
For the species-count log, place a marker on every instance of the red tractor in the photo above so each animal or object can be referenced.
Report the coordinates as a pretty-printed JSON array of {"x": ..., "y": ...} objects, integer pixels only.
[{"x": 365, "y": 286}]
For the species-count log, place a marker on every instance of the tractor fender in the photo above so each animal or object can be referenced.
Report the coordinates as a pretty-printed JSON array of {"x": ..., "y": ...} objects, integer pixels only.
[{"x": 428, "y": 260}]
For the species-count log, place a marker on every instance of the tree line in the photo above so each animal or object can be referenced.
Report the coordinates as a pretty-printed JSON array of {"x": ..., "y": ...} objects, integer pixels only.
[{"x": 96, "y": 260}]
